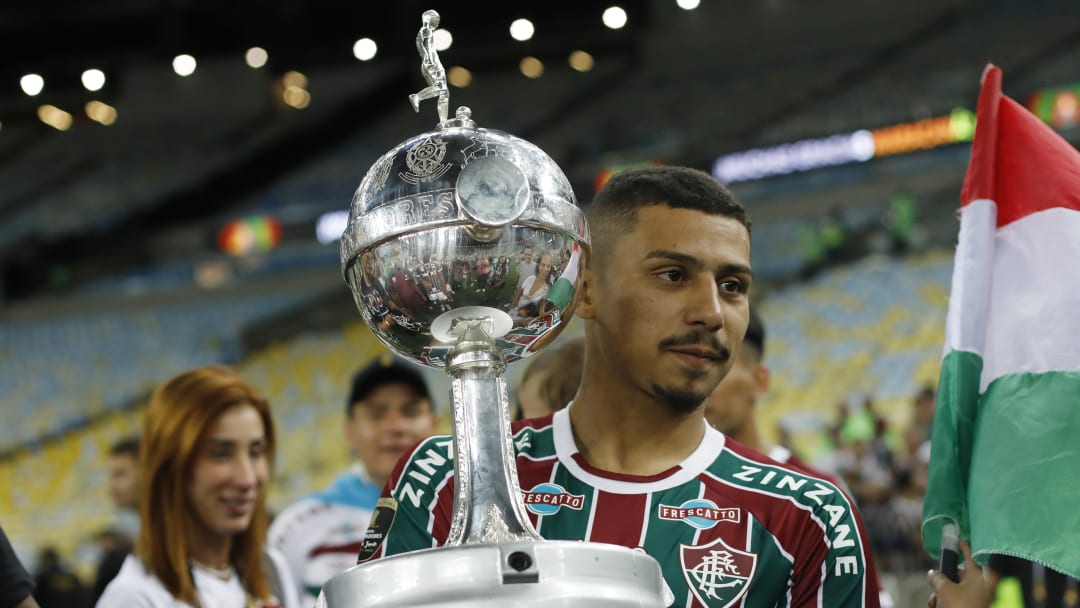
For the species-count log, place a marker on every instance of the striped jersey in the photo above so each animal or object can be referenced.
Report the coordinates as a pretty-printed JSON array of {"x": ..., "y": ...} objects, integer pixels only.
[
  {"x": 728, "y": 526},
  {"x": 320, "y": 535}
]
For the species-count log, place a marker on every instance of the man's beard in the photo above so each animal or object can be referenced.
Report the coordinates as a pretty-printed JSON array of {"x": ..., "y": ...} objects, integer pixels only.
[
  {"x": 680, "y": 400},
  {"x": 684, "y": 400}
]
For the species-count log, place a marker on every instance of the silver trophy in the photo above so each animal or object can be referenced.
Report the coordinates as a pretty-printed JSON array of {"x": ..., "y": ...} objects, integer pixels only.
[{"x": 464, "y": 250}]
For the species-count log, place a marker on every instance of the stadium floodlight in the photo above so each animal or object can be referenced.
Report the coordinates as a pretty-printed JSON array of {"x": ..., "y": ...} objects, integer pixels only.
[
  {"x": 184, "y": 65},
  {"x": 443, "y": 39},
  {"x": 256, "y": 57},
  {"x": 614, "y": 17},
  {"x": 365, "y": 49},
  {"x": 32, "y": 84},
  {"x": 93, "y": 79},
  {"x": 522, "y": 30}
]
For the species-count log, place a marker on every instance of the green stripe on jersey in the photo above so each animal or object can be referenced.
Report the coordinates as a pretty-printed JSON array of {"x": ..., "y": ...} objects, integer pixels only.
[
  {"x": 773, "y": 568},
  {"x": 416, "y": 493},
  {"x": 536, "y": 443},
  {"x": 568, "y": 523},
  {"x": 663, "y": 537}
]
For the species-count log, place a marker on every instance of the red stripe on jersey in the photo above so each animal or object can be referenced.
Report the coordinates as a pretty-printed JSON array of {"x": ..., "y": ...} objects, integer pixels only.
[
  {"x": 532, "y": 423},
  {"x": 618, "y": 518},
  {"x": 353, "y": 548},
  {"x": 578, "y": 458}
]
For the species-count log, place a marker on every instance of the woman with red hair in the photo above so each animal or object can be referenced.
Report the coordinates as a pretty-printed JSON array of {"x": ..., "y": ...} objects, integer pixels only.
[{"x": 206, "y": 458}]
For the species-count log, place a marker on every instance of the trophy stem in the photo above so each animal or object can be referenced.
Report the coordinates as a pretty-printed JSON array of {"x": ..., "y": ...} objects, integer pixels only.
[{"x": 487, "y": 500}]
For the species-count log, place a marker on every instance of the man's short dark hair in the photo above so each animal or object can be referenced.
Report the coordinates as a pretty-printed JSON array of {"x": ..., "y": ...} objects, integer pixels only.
[
  {"x": 128, "y": 446},
  {"x": 614, "y": 209},
  {"x": 382, "y": 371}
]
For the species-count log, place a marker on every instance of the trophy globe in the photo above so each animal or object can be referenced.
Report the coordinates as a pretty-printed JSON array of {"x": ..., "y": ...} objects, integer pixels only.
[
  {"x": 462, "y": 227},
  {"x": 464, "y": 251}
]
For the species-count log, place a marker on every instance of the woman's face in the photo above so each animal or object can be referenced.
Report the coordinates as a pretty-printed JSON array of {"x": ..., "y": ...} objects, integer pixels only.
[
  {"x": 230, "y": 474},
  {"x": 544, "y": 267}
]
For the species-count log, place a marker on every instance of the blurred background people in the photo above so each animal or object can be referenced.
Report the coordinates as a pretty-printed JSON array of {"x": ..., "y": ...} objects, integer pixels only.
[
  {"x": 388, "y": 410},
  {"x": 124, "y": 489},
  {"x": 16, "y": 584},
  {"x": 56, "y": 586},
  {"x": 206, "y": 459},
  {"x": 551, "y": 378},
  {"x": 732, "y": 406}
]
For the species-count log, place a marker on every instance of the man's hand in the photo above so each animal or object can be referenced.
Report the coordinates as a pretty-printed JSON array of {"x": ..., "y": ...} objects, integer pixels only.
[{"x": 970, "y": 592}]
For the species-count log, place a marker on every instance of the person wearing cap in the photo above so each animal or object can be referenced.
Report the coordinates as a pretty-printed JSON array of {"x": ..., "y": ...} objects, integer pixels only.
[{"x": 388, "y": 410}]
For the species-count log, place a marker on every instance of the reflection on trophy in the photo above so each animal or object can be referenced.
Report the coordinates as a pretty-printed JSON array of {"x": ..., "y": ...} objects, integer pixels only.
[{"x": 436, "y": 236}]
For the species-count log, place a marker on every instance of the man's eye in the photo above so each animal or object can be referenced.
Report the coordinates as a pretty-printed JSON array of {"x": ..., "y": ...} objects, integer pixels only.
[
  {"x": 733, "y": 286},
  {"x": 672, "y": 276}
]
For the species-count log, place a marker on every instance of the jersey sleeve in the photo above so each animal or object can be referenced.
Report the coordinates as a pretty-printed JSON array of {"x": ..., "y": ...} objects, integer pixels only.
[
  {"x": 414, "y": 511},
  {"x": 839, "y": 572}
]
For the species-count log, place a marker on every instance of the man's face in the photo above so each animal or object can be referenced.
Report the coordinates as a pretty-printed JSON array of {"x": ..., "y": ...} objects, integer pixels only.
[
  {"x": 392, "y": 419},
  {"x": 670, "y": 304},
  {"x": 124, "y": 481},
  {"x": 526, "y": 256},
  {"x": 730, "y": 405}
]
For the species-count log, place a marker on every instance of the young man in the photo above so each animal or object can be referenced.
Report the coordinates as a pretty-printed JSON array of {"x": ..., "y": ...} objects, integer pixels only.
[
  {"x": 665, "y": 307},
  {"x": 388, "y": 410}
]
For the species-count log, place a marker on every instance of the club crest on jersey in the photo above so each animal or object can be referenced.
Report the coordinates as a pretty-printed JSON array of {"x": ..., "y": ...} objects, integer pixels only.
[
  {"x": 548, "y": 498},
  {"x": 717, "y": 574},
  {"x": 700, "y": 513}
]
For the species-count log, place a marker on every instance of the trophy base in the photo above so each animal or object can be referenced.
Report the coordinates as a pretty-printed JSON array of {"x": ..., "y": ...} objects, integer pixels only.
[{"x": 549, "y": 574}]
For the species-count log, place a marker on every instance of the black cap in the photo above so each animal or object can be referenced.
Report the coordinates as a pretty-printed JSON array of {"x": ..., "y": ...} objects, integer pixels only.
[{"x": 385, "y": 370}]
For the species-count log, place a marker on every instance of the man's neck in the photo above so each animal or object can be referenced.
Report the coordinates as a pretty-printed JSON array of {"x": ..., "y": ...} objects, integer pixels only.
[{"x": 623, "y": 430}]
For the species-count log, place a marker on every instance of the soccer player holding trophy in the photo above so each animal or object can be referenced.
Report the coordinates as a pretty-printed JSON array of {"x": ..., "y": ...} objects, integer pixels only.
[{"x": 672, "y": 513}]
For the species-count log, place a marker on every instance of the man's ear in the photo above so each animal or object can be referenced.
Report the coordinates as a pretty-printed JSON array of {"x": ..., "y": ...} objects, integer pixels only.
[
  {"x": 586, "y": 301},
  {"x": 762, "y": 375}
]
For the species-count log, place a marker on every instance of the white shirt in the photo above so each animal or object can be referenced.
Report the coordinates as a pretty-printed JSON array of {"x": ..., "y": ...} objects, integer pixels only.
[
  {"x": 135, "y": 587},
  {"x": 526, "y": 297}
]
